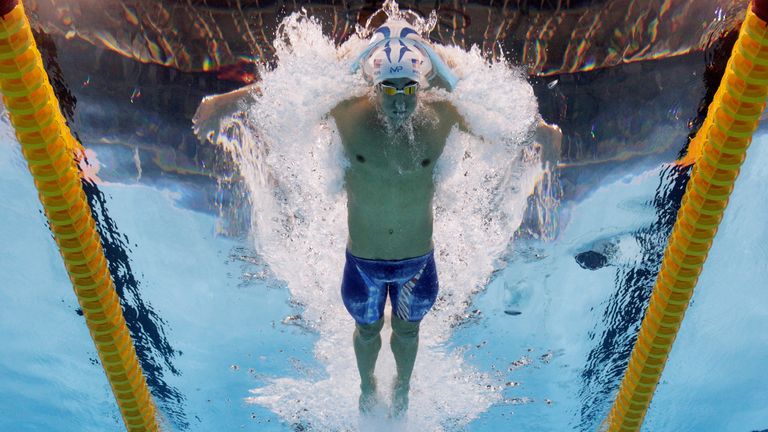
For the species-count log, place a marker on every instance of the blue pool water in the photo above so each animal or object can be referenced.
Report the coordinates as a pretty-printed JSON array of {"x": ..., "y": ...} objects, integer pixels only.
[
  {"x": 230, "y": 290},
  {"x": 713, "y": 379},
  {"x": 218, "y": 327},
  {"x": 536, "y": 330}
]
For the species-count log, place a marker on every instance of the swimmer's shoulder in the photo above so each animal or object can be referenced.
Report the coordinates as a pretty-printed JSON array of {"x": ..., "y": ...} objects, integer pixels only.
[
  {"x": 352, "y": 108},
  {"x": 449, "y": 116},
  {"x": 353, "y": 114}
]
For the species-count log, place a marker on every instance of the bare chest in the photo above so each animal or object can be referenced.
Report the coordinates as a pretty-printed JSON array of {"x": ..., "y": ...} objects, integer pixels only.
[
  {"x": 393, "y": 157},
  {"x": 410, "y": 152}
]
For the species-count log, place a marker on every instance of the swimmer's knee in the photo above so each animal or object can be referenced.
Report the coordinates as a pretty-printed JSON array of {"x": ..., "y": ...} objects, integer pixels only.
[
  {"x": 405, "y": 329},
  {"x": 369, "y": 331}
]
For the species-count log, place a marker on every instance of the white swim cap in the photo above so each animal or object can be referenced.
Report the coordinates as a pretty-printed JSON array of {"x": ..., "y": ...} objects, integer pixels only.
[{"x": 395, "y": 52}]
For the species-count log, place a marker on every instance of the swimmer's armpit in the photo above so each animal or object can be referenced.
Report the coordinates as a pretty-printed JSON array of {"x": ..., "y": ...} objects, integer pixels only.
[{"x": 215, "y": 108}]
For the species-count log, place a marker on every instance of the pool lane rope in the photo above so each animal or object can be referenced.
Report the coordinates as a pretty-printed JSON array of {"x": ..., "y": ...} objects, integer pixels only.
[
  {"x": 718, "y": 151},
  {"x": 49, "y": 148}
]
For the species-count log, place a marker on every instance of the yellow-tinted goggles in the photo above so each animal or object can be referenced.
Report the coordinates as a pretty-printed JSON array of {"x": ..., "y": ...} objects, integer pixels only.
[{"x": 408, "y": 90}]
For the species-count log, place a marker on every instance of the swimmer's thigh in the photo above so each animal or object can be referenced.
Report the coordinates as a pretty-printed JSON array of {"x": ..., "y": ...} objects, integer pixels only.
[
  {"x": 414, "y": 305},
  {"x": 365, "y": 302}
]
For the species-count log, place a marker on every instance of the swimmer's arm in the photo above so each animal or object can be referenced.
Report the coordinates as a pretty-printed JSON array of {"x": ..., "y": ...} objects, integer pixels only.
[
  {"x": 550, "y": 138},
  {"x": 213, "y": 109},
  {"x": 348, "y": 108},
  {"x": 348, "y": 115}
]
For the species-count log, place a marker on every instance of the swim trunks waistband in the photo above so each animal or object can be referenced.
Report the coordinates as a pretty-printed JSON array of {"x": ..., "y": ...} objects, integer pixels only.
[{"x": 391, "y": 261}]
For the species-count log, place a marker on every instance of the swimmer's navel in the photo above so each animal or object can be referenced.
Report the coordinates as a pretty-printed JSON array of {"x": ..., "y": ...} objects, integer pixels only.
[
  {"x": 425, "y": 162},
  {"x": 360, "y": 158}
]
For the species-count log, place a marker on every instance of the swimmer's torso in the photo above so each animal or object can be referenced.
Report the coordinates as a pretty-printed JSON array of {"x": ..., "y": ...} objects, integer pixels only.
[{"x": 389, "y": 180}]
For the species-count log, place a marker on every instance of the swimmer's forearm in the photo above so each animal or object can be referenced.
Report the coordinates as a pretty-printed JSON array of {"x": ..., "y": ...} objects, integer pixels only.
[
  {"x": 550, "y": 138},
  {"x": 216, "y": 107},
  {"x": 232, "y": 97},
  {"x": 251, "y": 89},
  {"x": 546, "y": 131}
]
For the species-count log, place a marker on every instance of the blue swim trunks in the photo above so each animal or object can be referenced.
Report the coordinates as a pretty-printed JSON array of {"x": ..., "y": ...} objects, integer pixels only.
[{"x": 411, "y": 284}]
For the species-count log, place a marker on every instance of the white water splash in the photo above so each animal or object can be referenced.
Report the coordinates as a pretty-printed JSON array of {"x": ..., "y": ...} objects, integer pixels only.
[
  {"x": 390, "y": 10},
  {"x": 291, "y": 159}
]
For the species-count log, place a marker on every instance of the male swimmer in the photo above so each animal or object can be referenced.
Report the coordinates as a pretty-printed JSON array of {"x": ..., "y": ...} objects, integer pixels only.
[
  {"x": 390, "y": 185},
  {"x": 392, "y": 138},
  {"x": 392, "y": 141}
]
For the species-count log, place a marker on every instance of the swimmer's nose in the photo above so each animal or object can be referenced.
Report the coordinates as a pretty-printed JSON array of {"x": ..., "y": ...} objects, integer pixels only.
[{"x": 400, "y": 104}]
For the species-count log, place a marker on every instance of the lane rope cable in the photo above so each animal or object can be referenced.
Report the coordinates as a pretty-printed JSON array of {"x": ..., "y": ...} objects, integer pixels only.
[
  {"x": 49, "y": 148},
  {"x": 718, "y": 151}
]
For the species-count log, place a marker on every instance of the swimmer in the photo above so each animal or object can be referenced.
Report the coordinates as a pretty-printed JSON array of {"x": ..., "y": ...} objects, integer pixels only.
[
  {"x": 392, "y": 142},
  {"x": 392, "y": 139},
  {"x": 390, "y": 186}
]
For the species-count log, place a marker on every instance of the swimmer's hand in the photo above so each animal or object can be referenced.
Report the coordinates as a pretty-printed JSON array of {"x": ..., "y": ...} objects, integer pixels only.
[
  {"x": 550, "y": 138},
  {"x": 207, "y": 120}
]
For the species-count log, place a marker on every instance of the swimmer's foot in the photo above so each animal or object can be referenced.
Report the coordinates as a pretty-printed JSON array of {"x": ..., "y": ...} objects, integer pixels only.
[
  {"x": 369, "y": 399},
  {"x": 399, "y": 407}
]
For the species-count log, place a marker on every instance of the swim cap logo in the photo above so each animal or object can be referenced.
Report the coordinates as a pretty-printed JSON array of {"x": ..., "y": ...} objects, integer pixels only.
[{"x": 396, "y": 69}]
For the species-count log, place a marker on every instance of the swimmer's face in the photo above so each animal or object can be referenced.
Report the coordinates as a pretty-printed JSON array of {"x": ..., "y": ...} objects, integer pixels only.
[{"x": 399, "y": 106}]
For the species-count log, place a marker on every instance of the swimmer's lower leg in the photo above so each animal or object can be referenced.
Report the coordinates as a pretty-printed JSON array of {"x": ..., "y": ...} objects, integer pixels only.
[
  {"x": 367, "y": 343},
  {"x": 405, "y": 344}
]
